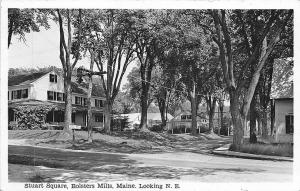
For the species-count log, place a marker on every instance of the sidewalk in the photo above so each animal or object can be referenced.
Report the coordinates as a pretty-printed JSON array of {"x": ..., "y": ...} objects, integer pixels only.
[{"x": 224, "y": 151}]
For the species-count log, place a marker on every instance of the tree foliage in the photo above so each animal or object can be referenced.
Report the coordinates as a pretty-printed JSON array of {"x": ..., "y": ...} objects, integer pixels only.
[{"x": 22, "y": 21}]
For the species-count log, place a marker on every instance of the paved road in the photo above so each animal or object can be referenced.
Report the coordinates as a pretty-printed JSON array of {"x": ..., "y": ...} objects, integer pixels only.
[{"x": 67, "y": 166}]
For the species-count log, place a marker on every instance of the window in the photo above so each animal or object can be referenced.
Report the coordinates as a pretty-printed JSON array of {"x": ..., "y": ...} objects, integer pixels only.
[
  {"x": 59, "y": 96},
  {"x": 73, "y": 117},
  {"x": 19, "y": 94},
  {"x": 53, "y": 78},
  {"x": 99, "y": 117},
  {"x": 55, "y": 96},
  {"x": 78, "y": 100},
  {"x": 183, "y": 117},
  {"x": 85, "y": 101},
  {"x": 55, "y": 116},
  {"x": 24, "y": 93},
  {"x": 289, "y": 124},
  {"x": 98, "y": 103},
  {"x": 189, "y": 117},
  {"x": 50, "y": 95}
]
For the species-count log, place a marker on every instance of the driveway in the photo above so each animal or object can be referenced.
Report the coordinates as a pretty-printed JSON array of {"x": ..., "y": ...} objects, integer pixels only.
[{"x": 58, "y": 165}]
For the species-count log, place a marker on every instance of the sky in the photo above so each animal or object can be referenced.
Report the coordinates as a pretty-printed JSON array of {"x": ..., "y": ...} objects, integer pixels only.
[{"x": 41, "y": 49}]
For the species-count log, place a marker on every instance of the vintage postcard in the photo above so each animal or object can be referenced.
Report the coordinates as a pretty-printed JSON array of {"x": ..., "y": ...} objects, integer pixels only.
[{"x": 149, "y": 95}]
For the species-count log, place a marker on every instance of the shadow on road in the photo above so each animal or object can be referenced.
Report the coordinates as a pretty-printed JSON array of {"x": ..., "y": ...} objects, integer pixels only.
[{"x": 67, "y": 166}]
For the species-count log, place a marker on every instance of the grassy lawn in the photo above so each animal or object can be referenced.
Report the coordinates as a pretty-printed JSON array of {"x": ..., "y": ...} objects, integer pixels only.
[{"x": 285, "y": 150}]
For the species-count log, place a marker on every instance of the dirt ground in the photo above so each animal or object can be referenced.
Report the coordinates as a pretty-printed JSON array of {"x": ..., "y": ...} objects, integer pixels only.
[{"x": 120, "y": 142}]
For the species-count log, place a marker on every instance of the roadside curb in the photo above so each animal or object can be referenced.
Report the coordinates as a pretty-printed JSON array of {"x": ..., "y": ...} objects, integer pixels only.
[{"x": 224, "y": 151}]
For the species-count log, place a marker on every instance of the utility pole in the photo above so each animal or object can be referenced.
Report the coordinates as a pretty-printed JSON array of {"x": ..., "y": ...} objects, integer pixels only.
[{"x": 81, "y": 72}]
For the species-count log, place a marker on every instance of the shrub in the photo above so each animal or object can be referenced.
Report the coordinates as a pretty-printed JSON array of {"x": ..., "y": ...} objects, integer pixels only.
[
  {"x": 265, "y": 149},
  {"x": 156, "y": 128},
  {"x": 12, "y": 125},
  {"x": 31, "y": 117},
  {"x": 203, "y": 128}
]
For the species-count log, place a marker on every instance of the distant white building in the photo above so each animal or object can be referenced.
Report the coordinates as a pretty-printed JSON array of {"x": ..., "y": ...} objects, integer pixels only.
[
  {"x": 47, "y": 88},
  {"x": 184, "y": 119},
  {"x": 134, "y": 119}
]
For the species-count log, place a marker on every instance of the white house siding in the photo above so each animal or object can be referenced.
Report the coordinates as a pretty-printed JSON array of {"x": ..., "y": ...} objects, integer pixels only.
[
  {"x": 43, "y": 84},
  {"x": 283, "y": 107}
]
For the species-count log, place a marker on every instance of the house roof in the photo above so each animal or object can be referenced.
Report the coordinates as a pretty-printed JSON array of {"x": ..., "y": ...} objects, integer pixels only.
[
  {"x": 24, "y": 78},
  {"x": 282, "y": 79},
  {"x": 57, "y": 105}
]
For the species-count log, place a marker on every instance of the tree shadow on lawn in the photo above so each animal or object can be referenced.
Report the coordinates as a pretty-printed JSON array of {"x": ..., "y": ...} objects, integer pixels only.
[
  {"x": 55, "y": 158},
  {"x": 102, "y": 146},
  {"x": 163, "y": 172},
  {"x": 131, "y": 173},
  {"x": 112, "y": 164},
  {"x": 33, "y": 134}
]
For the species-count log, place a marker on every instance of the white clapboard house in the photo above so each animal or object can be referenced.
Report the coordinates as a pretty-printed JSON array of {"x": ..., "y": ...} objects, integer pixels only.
[{"x": 47, "y": 88}]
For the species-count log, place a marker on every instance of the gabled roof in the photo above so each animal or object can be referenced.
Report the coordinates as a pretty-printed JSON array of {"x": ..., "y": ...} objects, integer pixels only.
[
  {"x": 282, "y": 79},
  {"x": 24, "y": 79}
]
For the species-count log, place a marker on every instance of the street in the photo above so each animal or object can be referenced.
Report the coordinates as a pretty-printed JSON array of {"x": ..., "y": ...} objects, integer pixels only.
[{"x": 57, "y": 165}]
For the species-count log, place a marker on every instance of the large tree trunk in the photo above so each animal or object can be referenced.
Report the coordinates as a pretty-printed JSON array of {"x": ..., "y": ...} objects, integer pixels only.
[
  {"x": 211, "y": 124},
  {"x": 259, "y": 124},
  {"x": 146, "y": 69},
  {"x": 221, "y": 108},
  {"x": 272, "y": 116},
  {"x": 194, "y": 107},
  {"x": 107, "y": 114},
  {"x": 162, "y": 110},
  {"x": 10, "y": 31},
  {"x": 211, "y": 106},
  {"x": 89, "y": 100},
  {"x": 264, "y": 123},
  {"x": 89, "y": 127},
  {"x": 68, "y": 103},
  {"x": 144, "y": 106},
  {"x": 253, "y": 117},
  {"x": 238, "y": 122}
]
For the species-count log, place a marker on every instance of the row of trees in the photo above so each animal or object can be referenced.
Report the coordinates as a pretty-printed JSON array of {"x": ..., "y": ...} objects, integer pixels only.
[{"x": 196, "y": 54}]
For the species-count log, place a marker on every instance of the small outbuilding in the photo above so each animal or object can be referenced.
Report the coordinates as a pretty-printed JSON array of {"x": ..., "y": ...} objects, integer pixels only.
[{"x": 282, "y": 100}]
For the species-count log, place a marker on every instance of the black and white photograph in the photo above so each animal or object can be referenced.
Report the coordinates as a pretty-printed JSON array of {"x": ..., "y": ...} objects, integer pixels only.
[{"x": 151, "y": 98}]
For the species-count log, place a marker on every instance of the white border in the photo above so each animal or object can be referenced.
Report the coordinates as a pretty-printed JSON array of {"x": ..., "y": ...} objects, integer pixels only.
[{"x": 155, "y": 4}]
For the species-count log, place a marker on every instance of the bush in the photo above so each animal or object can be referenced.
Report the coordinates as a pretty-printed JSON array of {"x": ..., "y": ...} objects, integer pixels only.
[
  {"x": 156, "y": 128},
  {"x": 31, "y": 117},
  {"x": 204, "y": 128},
  {"x": 265, "y": 149},
  {"x": 12, "y": 125}
]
